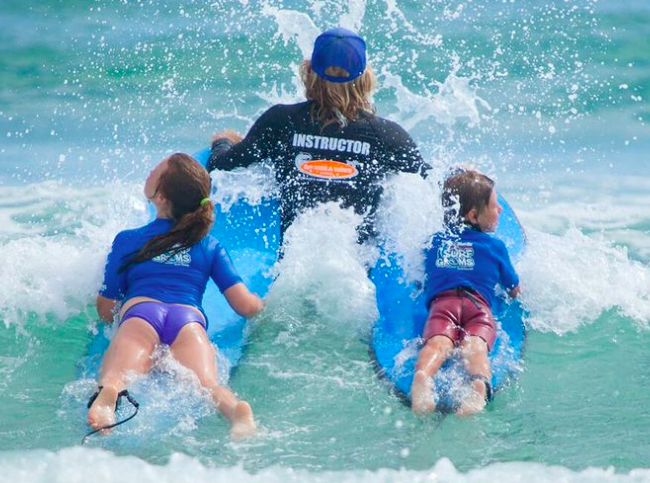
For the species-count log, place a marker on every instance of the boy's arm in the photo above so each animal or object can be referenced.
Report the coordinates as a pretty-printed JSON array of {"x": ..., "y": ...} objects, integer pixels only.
[
  {"x": 515, "y": 291},
  {"x": 509, "y": 277}
]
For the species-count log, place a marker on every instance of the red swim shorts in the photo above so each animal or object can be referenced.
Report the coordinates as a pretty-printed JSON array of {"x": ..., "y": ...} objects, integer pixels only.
[{"x": 458, "y": 312}]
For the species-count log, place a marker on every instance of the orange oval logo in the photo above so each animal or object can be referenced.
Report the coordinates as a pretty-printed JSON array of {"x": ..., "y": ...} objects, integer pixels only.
[{"x": 328, "y": 169}]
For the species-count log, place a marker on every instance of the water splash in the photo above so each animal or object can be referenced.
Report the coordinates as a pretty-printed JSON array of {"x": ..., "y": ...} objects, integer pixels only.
[
  {"x": 324, "y": 266},
  {"x": 455, "y": 100},
  {"x": 58, "y": 252},
  {"x": 101, "y": 466},
  {"x": 570, "y": 280}
]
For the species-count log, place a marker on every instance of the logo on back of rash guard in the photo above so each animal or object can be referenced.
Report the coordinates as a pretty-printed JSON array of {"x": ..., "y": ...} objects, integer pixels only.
[
  {"x": 325, "y": 169},
  {"x": 179, "y": 259},
  {"x": 458, "y": 256}
]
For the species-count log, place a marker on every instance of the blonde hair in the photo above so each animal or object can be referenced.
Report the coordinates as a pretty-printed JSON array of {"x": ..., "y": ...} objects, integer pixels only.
[{"x": 334, "y": 102}]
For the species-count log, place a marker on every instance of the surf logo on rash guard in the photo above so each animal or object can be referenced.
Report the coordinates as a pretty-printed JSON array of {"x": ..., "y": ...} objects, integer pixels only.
[
  {"x": 325, "y": 169},
  {"x": 454, "y": 255},
  {"x": 179, "y": 259}
]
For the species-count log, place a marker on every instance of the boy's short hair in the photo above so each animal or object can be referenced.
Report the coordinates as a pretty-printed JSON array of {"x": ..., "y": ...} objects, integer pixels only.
[{"x": 462, "y": 192}]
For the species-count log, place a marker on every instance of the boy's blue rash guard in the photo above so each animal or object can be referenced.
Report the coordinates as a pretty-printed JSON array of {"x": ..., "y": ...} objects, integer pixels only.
[
  {"x": 180, "y": 279},
  {"x": 470, "y": 259}
]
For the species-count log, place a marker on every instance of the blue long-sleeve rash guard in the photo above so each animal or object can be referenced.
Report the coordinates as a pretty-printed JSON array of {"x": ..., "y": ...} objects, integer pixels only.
[
  {"x": 179, "y": 279},
  {"x": 472, "y": 259}
]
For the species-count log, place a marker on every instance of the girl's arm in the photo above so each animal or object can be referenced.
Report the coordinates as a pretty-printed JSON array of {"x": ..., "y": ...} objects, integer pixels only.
[
  {"x": 242, "y": 301},
  {"x": 106, "y": 308},
  {"x": 115, "y": 285}
]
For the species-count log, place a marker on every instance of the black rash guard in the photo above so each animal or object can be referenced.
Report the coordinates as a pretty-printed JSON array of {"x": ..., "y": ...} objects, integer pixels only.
[{"x": 314, "y": 165}]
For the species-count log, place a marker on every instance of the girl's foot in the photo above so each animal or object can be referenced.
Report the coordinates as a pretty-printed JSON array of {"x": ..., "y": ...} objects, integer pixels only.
[
  {"x": 422, "y": 401},
  {"x": 243, "y": 424},
  {"x": 102, "y": 411}
]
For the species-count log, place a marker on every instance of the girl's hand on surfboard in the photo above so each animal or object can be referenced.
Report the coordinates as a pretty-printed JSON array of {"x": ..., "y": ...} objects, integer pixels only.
[{"x": 106, "y": 308}]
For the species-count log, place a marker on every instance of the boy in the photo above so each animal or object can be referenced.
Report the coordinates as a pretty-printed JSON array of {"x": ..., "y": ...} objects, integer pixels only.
[{"x": 463, "y": 267}]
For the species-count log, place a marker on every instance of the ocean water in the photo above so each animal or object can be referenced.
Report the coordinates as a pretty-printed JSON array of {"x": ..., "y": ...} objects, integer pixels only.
[{"x": 550, "y": 97}]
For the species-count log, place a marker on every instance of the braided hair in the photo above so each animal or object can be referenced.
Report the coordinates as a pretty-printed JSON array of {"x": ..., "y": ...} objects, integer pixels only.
[{"x": 186, "y": 184}]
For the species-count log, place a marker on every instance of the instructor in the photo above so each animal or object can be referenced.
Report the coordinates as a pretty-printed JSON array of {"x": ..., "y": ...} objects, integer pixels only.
[{"x": 331, "y": 147}]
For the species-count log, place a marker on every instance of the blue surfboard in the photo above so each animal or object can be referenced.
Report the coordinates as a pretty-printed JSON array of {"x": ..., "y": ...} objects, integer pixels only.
[
  {"x": 251, "y": 234},
  {"x": 396, "y": 338}
]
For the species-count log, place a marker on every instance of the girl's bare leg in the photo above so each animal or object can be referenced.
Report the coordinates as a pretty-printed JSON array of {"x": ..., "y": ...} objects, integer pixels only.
[
  {"x": 431, "y": 357},
  {"x": 193, "y": 349},
  {"x": 129, "y": 351}
]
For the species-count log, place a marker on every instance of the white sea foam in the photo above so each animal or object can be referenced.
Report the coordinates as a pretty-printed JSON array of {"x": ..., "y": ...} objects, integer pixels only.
[
  {"x": 324, "y": 265},
  {"x": 569, "y": 280},
  {"x": 409, "y": 214},
  {"x": 353, "y": 19},
  {"x": 72, "y": 465},
  {"x": 52, "y": 261},
  {"x": 456, "y": 100},
  {"x": 586, "y": 251},
  {"x": 57, "y": 239},
  {"x": 252, "y": 185},
  {"x": 293, "y": 24}
]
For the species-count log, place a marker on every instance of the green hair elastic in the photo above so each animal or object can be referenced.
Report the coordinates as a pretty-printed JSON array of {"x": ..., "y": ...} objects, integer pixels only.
[{"x": 205, "y": 201}]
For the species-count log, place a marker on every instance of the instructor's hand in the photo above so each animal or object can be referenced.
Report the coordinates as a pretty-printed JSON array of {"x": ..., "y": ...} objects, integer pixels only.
[{"x": 229, "y": 134}]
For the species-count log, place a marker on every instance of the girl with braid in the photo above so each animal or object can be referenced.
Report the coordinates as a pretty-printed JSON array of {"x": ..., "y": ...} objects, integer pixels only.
[{"x": 156, "y": 276}]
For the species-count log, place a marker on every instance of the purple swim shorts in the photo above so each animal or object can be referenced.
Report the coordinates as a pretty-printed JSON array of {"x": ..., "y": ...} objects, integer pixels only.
[{"x": 166, "y": 319}]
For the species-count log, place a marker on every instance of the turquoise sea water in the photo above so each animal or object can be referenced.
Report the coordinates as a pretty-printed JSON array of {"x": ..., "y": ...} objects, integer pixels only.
[{"x": 550, "y": 97}]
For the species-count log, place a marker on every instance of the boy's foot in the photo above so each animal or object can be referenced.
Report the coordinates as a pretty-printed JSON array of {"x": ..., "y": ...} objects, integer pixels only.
[
  {"x": 476, "y": 400},
  {"x": 102, "y": 411},
  {"x": 422, "y": 401},
  {"x": 243, "y": 424}
]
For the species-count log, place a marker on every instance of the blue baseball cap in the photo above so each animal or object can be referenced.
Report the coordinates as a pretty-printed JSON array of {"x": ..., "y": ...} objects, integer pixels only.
[{"x": 339, "y": 47}]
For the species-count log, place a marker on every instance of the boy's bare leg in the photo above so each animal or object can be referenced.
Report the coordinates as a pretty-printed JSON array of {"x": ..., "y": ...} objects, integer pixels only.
[
  {"x": 431, "y": 357},
  {"x": 475, "y": 356}
]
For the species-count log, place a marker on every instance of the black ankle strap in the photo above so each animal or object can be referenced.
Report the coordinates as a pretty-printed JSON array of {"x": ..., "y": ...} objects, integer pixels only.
[
  {"x": 121, "y": 394},
  {"x": 488, "y": 387}
]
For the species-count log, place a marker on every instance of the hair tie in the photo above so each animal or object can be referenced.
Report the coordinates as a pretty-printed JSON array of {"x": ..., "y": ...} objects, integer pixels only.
[{"x": 205, "y": 201}]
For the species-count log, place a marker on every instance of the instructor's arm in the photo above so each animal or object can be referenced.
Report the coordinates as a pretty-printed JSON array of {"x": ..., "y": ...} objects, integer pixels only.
[{"x": 229, "y": 151}]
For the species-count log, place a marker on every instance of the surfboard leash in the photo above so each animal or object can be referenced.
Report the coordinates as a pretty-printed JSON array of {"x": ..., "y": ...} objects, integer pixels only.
[{"x": 123, "y": 393}]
